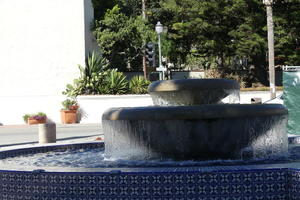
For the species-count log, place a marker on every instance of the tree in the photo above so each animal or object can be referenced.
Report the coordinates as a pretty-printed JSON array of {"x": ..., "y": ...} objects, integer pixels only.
[
  {"x": 101, "y": 6},
  {"x": 214, "y": 33},
  {"x": 287, "y": 32},
  {"x": 121, "y": 37}
]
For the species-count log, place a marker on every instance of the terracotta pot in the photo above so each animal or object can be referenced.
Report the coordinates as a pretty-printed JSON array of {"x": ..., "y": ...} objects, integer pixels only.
[
  {"x": 68, "y": 116},
  {"x": 32, "y": 121}
]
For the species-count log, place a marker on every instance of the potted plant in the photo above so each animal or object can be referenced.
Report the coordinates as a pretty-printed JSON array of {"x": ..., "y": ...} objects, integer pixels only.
[
  {"x": 36, "y": 118},
  {"x": 69, "y": 111}
]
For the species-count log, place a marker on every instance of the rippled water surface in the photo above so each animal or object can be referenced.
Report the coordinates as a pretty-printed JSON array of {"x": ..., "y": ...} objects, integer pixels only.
[{"x": 95, "y": 158}]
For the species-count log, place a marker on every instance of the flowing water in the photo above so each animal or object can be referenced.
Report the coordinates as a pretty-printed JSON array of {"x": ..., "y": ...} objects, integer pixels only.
[
  {"x": 154, "y": 139},
  {"x": 184, "y": 98}
]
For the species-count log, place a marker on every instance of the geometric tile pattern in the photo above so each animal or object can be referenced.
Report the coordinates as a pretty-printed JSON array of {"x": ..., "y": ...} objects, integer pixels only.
[
  {"x": 230, "y": 185},
  {"x": 294, "y": 184},
  {"x": 192, "y": 183}
]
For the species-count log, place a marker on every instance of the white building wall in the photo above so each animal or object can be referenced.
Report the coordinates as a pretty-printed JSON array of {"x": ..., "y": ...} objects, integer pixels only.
[
  {"x": 90, "y": 40},
  {"x": 42, "y": 41},
  {"x": 41, "y": 44}
]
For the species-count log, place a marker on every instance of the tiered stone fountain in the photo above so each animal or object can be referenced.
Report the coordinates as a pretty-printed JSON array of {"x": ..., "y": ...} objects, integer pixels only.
[{"x": 190, "y": 121}]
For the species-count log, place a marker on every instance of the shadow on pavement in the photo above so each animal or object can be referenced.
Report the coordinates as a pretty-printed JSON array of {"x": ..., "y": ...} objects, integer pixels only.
[{"x": 61, "y": 139}]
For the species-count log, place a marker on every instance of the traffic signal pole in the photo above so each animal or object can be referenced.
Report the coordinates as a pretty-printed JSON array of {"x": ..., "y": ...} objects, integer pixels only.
[{"x": 150, "y": 54}]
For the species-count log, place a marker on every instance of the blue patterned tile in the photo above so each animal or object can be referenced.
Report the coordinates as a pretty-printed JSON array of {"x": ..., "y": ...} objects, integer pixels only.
[{"x": 176, "y": 183}]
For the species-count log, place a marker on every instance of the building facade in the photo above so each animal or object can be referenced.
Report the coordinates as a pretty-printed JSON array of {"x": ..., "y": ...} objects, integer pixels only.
[{"x": 41, "y": 44}]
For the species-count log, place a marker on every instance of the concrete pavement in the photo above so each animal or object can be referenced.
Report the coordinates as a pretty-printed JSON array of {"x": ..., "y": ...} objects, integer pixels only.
[{"x": 17, "y": 135}]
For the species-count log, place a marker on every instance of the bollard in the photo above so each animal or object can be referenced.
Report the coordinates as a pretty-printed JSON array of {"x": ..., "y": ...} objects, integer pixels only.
[{"x": 47, "y": 133}]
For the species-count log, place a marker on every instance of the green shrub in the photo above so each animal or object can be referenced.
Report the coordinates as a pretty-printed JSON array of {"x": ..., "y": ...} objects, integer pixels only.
[
  {"x": 25, "y": 117},
  {"x": 67, "y": 103},
  {"x": 92, "y": 75},
  {"x": 95, "y": 78},
  {"x": 94, "y": 64},
  {"x": 115, "y": 83},
  {"x": 215, "y": 73},
  {"x": 138, "y": 85},
  {"x": 75, "y": 89}
]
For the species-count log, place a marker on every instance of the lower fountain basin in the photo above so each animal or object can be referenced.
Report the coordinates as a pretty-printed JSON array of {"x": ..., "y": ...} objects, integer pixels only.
[
  {"x": 196, "y": 132},
  {"x": 278, "y": 181}
]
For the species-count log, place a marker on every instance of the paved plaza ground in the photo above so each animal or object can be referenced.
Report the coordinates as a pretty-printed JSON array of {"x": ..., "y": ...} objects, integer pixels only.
[{"x": 27, "y": 135}]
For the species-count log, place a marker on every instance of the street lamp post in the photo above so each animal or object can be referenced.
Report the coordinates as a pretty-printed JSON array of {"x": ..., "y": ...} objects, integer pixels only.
[
  {"x": 270, "y": 25},
  {"x": 159, "y": 29}
]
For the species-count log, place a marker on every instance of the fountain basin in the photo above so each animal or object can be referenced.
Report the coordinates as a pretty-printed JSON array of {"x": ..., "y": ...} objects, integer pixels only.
[
  {"x": 196, "y": 132},
  {"x": 192, "y": 91},
  {"x": 267, "y": 181}
]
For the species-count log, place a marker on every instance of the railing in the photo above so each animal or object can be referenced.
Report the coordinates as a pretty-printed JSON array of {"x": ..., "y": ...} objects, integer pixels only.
[{"x": 291, "y": 68}]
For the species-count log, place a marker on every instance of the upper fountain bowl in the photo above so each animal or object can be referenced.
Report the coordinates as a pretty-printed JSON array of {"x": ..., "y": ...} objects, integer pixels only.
[{"x": 192, "y": 91}]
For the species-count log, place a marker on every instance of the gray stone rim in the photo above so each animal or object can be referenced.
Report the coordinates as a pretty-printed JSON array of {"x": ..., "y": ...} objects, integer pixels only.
[{"x": 194, "y": 112}]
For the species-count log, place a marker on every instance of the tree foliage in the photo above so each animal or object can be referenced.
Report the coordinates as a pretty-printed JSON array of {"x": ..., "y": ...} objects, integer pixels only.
[
  {"x": 222, "y": 34},
  {"x": 287, "y": 32},
  {"x": 121, "y": 38}
]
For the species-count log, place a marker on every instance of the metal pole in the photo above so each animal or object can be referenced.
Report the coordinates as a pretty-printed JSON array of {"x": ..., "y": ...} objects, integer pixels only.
[
  {"x": 144, "y": 58},
  {"x": 144, "y": 9},
  {"x": 160, "y": 63},
  {"x": 271, "y": 48}
]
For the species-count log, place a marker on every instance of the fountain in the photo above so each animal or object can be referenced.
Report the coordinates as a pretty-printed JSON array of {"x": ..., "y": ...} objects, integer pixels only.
[{"x": 191, "y": 120}]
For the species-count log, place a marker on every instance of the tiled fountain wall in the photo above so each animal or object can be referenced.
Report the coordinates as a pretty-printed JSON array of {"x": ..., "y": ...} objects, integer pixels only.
[
  {"x": 273, "y": 184},
  {"x": 208, "y": 183}
]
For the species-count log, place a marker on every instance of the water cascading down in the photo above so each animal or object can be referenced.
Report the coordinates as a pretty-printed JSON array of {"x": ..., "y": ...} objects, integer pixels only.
[{"x": 195, "y": 119}]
